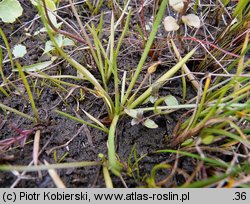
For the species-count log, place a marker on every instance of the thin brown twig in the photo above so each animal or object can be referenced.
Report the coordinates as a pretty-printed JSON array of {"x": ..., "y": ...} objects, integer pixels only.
[
  {"x": 65, "y": 33},
  {"x": 19, "y": 178},
  {"x": 68, "y": 142},
  {"x": 192, "y": 176},
  {"x": 210, "y": 44},
  {"x": 192, "y": 132},
  {"x": 173, "y": 171}
]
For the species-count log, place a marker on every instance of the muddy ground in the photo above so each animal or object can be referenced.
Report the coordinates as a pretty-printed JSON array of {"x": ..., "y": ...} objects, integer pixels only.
[{"x": 57, "y": 130}]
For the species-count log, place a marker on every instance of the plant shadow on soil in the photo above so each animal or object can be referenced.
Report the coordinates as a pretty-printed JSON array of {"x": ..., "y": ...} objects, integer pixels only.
[{"x": 57, "y": 130}]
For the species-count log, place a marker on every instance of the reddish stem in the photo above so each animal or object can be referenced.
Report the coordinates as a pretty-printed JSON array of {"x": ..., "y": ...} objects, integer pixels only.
[
  {"x": 211, "y": 44},
  {"x": 58, "y": 30}
]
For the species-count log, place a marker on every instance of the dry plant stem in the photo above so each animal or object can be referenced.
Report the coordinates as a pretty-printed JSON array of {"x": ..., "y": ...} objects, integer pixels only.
[
  {"x": 93, "y": 185},
  {"x": 201, "y": 103},
  {"x": 123, "y": 13},
  {"x": 187, "y": 134},
  {"x": 105, "y": 171},
  {"x": 89, "y": 137},
  {"x": 244, "y": 180},
  {"x": 190, "y": 76},
  {"x": 107, "y": 178},
  {"x": 153, "y": 67},
  {"x": 198, "y": 149},
  {"x": 240, "y": 68},
  {"x": 180, "y": 121},
  {"x": 24, "y": 172},
  {"x": 85, "y": 35},
  {"x": 222, "y": 150},
  {"x": 58, "y": 30},
  {"x": 139, "y": 87},
  {"x": 117, "y": 24},
  {"x": 50, "y": 166},
  {"x": 53, "y": 174},
  {"x": 123, "y": 85},
  {"x": 211, "y": 45},
  {"x": 183, "y": 173},
  {"x": 229, "y": 169},
  {"x": 192, "y": 176},
  {"x": 161, "y": 80},
  {"x": 173, "y": 171},
  {"x": 184, "y": 10},
  {"x": 36, "y": 147},
  {"x": 123, "y": 182},
  {"x": 67, "y": 24},
  {"x": 218, "y": 62},
  {"x": 146, "y": 50},
  {"x": 179, "y": 22},
  {"x": 63, "y": 21},
  {"x": 142, "y": 19}
]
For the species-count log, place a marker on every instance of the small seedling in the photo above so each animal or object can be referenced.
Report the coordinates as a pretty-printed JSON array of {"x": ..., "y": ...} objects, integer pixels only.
[
  {"x": 138, "y": 118},
  {"x": 60, "y": 40},
  {"x": 21, "y": 139}
]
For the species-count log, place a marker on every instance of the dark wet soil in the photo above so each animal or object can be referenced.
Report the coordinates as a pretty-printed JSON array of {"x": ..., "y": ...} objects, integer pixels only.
[{"x": 57, "y": 130}]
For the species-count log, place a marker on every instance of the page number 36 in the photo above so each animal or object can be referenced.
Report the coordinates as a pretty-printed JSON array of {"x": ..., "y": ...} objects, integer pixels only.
[{"x": 240, "y": 196}]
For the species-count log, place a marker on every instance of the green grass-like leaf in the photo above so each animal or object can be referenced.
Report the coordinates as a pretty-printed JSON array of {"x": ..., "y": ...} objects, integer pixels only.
[
  {"x": 147, "y": 49},
  {"x": 195, "y": 156},
  {"x": 49, "y": 166},
  {"x": 27, "y": 87}
]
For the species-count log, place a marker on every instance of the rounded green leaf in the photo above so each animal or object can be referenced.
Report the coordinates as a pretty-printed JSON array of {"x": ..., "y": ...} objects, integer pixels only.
[
  {"x": 49, "y": 3},
  {"x": 171, "y": 101},
  {"x": 132, "y": 113},
  {"x": 68, "y": 42},
  {"x": 48, "y": 47},
  {"x": 138, "y": 114},
  {"x": 19, "y": 51},
  {"x": 187, "y": 142},
  {"x": 150, "y": 124},
  {"x": 59, "y": 40},
  {"x": 152, "y": 99},
  {"x": 10, "y": 10},
  {"x": 38, "y": 66},
  {"x": 208, "y": 139}
]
